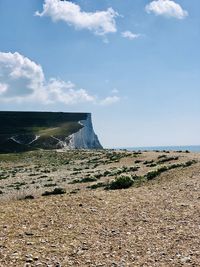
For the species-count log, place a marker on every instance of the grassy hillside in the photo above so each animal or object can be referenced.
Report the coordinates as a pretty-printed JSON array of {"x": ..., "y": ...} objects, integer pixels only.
[{"x": 44, "y": 124}]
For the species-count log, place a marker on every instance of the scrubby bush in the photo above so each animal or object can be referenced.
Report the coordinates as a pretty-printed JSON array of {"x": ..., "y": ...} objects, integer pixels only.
[
  {"x": 106, "y": 173},
  {"x": 138, "y": 161},
  {"x": 56, "y": 191},
  {"x": 148, "y": 162},
  {"x": 121, "y": 182},
  {"x": 50, "y": 185},
  {"x": 166, "y": 159},
  {"x": 152, "y": 174},
  {"x": 162, "y": 156},
  {"x": 84, "y": 180},
  {"x": 189, "y": 163},
  {"x": 88, "y": 179},
  {"x": 29, "y": 197},
  {"x": 98, "y": 185}
]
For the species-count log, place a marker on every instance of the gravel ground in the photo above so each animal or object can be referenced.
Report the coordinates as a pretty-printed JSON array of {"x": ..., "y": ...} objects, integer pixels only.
[{"x": 156, "y": 224}]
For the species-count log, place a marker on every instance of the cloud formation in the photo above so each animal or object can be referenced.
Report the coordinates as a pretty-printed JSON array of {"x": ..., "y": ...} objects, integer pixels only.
[
  {"x": 21, "y": 79},
  {"x": 167, "y": 8},
  {"x": 99, "y": 22},
  {"x": 3, "y": 88},
  {"x": 110, "y": 100},
  {"x": 130, "y": 35}
]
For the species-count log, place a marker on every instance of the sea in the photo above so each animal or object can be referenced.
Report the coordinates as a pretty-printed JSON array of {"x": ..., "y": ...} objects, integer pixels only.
[{"x": 193, "y": 148}]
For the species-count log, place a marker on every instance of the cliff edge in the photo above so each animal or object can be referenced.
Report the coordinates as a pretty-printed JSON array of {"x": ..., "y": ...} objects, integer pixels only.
[{"x": 23, "y": 131}]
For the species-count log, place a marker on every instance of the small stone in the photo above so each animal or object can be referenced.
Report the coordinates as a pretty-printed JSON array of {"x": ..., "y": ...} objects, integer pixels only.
[
  {"x": 185, "y": 259},
  {"x": 29, "y": 260},
  {"x": 29, "y": 243},
  {"x": 29, "y": 256},
  {"x": 28, "y": 233}
]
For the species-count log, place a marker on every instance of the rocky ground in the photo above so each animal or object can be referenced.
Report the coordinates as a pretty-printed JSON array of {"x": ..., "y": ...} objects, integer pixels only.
[{"x": 155, "y": 222}]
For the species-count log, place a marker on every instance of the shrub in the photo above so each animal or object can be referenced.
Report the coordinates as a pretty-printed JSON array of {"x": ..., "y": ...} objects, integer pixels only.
[
  {"x": 88, "y": 179},
  {"x": 75, "y": 191},
  {"x": 121, "y": 182},
  {"x": 189, "y": 163},
  {"x": 106, "y": 173},
  {"x": 75, "y": 181},
  {"x": 50, "y": 185},
  {"x": 152, "y": 174},
  {"x": 133, "y": 168},
  {"x": 98, "y": 175},
  {"x": 174, "y": 166},
  {"x": 148, "y": 162},
  {"x": 162, "y": 156},
  {"x": 29, "y": 197},
  {"x": 138, "y": 161},
  {"x": 84, "y": 180},
  {"x": 95, "y": 186},
  {"x": 166, "y": 159},
  {"x": 56, "y": 191},
  {"x": 152, "y": 165},
  {"x": 162, "y": 169}
]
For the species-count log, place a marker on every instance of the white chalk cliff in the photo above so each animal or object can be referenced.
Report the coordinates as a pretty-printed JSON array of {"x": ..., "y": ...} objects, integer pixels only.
[{"x": 85, "y": 137}]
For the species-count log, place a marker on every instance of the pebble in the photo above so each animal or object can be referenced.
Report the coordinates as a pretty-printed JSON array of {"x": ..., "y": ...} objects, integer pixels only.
[{"x": 185, "y": 259}]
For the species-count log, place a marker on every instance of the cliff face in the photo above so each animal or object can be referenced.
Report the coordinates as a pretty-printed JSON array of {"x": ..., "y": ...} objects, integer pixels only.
[
  {"x": 85, "y": 137},
  {"x": 24, "y": 131}
]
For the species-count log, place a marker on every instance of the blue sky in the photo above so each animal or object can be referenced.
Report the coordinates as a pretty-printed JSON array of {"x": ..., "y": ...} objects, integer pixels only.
[{"x": 134, "y": 64}]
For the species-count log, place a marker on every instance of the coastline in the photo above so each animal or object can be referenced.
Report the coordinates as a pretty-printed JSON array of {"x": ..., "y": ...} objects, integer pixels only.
[{"x": 191, "y": 148}]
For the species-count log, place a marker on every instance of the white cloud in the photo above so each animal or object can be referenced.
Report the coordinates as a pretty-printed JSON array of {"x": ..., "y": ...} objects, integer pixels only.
[
  {"x": 129, "y": 35},
  {"x": 3, "y": 88},
  {"x": 60, "y": 91},
  {"x": 110, "y": 100},
  {"x": 21, "y": 77},
  {"x": 23, "y": 80},
  {"x": 100, "y": 22},
  {"x": 167, "y": 8}
]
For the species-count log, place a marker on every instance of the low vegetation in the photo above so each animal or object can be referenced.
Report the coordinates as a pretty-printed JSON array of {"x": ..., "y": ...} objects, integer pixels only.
[
  {"x": 31, "y": 173},
  {"x": 121, "y": 182},
  {"x": 152, "y": 174},
  {"x": 56, "y": 191}
]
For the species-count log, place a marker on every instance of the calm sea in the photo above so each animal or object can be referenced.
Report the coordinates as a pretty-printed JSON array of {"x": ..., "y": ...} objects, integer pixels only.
[{"x": 161, "y": 148}]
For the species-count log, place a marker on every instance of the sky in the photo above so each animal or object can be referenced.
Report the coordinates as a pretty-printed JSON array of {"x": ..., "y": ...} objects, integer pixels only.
[{"x": 134, "y": 64}]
